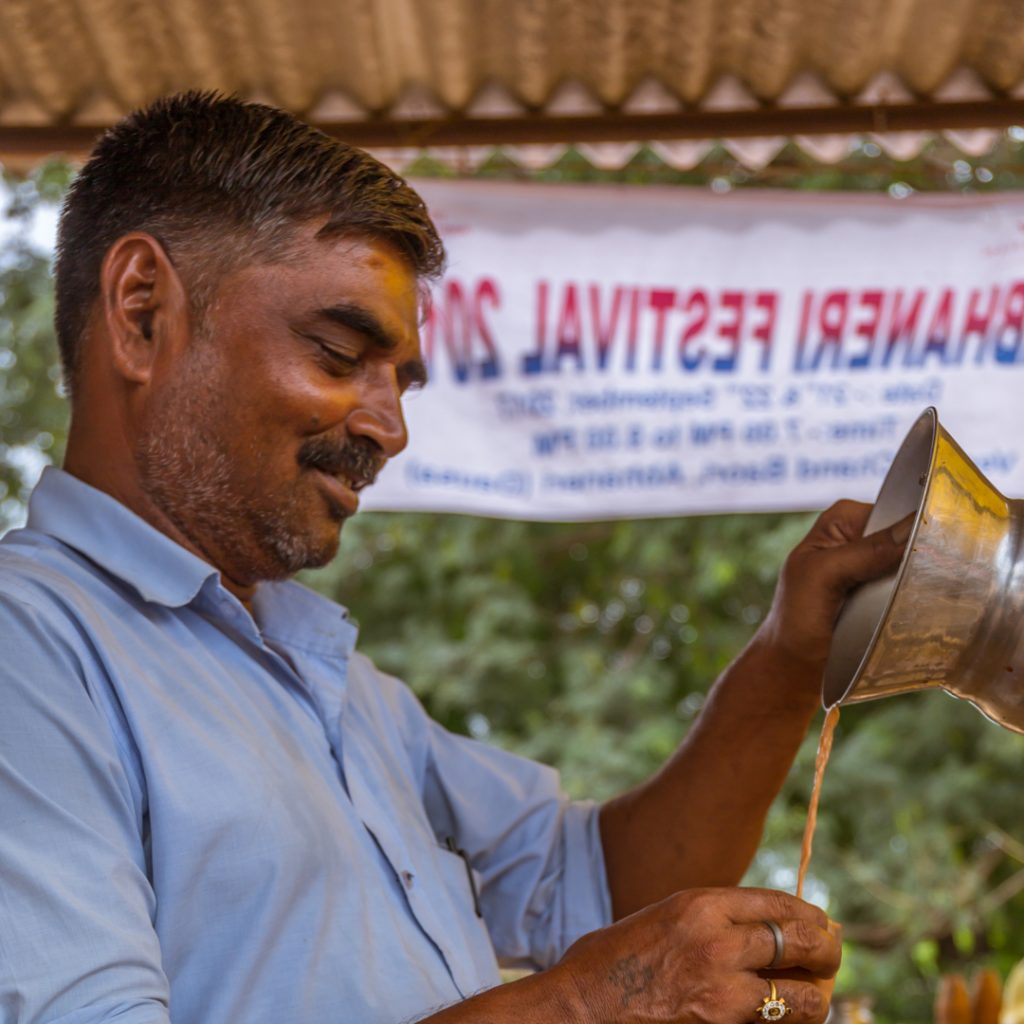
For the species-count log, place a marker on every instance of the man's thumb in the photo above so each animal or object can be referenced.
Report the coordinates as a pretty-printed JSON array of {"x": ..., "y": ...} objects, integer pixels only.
[{"x": 873, "y": 555}]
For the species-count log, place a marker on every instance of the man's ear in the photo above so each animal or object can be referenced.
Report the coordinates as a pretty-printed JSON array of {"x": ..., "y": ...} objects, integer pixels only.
[{"x": 145, "y": 308}]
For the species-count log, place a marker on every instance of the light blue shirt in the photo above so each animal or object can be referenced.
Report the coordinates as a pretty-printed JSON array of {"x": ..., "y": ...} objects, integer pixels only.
[{"x": 208, "y": 817}]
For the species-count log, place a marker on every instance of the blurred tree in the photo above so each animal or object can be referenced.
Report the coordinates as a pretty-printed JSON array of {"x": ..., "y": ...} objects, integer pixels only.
[
  {"x": 591, "y": 646},
  {"x": 33, "y": 413}
]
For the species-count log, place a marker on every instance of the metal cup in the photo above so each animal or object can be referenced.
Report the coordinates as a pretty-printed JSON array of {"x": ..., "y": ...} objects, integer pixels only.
[{"x": 952, "y": 615}]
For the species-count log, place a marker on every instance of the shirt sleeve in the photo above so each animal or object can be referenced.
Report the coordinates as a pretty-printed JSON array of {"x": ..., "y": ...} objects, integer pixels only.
[
  {"x": 77, "y": 943},
  {"x": 537, "y": 853}
]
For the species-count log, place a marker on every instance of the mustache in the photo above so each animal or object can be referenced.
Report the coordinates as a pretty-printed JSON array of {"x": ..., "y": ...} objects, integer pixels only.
[{"x": 357, "y": 458}]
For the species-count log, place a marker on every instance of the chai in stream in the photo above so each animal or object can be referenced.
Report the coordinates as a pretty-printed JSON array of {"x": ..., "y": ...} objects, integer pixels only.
[{"x": 824, "y": 749}]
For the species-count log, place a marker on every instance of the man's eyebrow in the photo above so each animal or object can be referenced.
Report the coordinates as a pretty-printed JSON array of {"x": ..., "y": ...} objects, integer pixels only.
[
  {"x": 362, "y": 320},
  {"x": 412, "y": 373}
]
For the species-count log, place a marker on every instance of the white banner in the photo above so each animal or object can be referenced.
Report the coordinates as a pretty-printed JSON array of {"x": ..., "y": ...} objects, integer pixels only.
[{"x": 600, "y": 352}]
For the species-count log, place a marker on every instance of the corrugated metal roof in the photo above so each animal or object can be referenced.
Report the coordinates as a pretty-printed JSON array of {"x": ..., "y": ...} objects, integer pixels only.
[{"x": 480, "y": 72}]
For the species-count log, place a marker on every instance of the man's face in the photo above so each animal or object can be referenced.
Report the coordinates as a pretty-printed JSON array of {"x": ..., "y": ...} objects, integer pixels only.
[{"x": 286, "y": 403}]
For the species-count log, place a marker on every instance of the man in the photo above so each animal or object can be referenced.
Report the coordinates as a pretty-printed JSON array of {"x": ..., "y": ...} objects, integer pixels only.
[{"x": 213, "y": 810}]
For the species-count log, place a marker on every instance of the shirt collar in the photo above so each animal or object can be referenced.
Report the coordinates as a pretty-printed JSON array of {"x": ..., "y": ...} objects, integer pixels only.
[
  {"x": 124, "y": 545},
  {"x": 117, "y": 540},
  {"x": 303, "y": 619}
]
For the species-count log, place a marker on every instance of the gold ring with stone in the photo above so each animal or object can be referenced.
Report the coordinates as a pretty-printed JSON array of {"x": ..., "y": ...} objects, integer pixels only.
[{"x": 773, "y": 1006}]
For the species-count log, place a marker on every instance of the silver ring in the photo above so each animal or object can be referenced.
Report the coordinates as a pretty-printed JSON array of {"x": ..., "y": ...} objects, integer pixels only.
[{"x": 780, "y": 944}]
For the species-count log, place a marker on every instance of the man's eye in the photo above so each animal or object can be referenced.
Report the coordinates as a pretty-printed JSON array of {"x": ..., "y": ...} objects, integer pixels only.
[{"x": 336, "y": 359}]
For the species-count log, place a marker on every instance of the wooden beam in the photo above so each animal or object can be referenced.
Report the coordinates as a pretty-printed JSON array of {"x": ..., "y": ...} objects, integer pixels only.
[
  {"x": 686, "y": 124},
  {"x": 19, "y": 143}
]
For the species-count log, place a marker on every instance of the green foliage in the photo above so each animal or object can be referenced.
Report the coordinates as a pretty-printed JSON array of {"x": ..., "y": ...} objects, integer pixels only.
[
  {"x": 33, "y": 415},
  {"x": 591, "y": 646}
]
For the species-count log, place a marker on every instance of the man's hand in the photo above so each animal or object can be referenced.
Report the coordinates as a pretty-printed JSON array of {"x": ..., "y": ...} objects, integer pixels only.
[
  {"x": 819, "y": 573},
  {"x": 699, "y": 956}
]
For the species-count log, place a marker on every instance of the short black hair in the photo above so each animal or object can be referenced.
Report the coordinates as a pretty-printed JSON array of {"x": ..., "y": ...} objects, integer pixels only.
[{"x": 222, "y": 183}]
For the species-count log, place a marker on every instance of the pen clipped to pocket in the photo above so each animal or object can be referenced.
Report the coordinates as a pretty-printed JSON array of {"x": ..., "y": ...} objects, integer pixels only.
[{"x": 454, "y": 847}]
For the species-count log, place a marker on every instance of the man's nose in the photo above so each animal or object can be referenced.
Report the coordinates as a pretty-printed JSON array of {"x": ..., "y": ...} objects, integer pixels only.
[{"x": 379, "y": 416}]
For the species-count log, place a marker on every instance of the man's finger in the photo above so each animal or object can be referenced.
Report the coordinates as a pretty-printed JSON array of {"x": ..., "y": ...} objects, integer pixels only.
[
  {"x": 840, "y": 523},
  {"x": 869, "y": 557},
  {"x": 807, "y": 1002},
  {"x": 750, "y": 906},
  {"x": 804, "y": 946},
  {"x": 901, "y": 530}
]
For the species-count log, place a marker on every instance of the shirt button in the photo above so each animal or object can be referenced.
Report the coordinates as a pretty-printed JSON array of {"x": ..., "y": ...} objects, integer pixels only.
[{"x": 407, "y": 879}]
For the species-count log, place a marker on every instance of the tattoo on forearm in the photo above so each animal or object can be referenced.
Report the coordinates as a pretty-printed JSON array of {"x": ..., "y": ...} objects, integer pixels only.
[{"x": 631, "y": 977}]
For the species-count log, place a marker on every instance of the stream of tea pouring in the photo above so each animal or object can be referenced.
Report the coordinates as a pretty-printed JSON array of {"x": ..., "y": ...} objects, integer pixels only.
[{"x": 821, "y": 760}]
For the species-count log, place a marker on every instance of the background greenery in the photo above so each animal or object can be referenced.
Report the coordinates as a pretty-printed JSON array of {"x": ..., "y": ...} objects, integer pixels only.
[{"x": 591, "y": 646}]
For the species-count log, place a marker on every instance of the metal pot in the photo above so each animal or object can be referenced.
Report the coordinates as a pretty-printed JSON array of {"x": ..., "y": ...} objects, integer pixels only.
[{"x": 952, "y": 615}]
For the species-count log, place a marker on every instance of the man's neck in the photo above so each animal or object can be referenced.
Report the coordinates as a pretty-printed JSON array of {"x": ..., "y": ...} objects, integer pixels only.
[{"x": 127, "y": 489}]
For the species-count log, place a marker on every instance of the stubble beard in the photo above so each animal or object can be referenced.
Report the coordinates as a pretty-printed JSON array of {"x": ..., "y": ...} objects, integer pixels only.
[{"x": 247, "y": 532}]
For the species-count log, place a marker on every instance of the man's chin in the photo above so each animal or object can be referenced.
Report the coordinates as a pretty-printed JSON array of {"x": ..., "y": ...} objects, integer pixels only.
[
  {"x": 319, "y": 555},
  {"x": 287, "y": 556},
  {"x": 326, "y": 554}
]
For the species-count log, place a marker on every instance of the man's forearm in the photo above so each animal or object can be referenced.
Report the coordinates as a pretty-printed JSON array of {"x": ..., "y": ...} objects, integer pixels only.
[
  {"x": 699, "y": 820},
  {"x": 536, "y": 999}
]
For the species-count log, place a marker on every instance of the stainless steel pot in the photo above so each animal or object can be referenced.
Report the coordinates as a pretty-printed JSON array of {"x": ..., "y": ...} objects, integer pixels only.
[{"x": 952, "y": 615}]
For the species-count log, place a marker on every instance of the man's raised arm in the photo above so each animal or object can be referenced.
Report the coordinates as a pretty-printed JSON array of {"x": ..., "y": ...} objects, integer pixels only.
[{"x": 699, "y": 820}]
